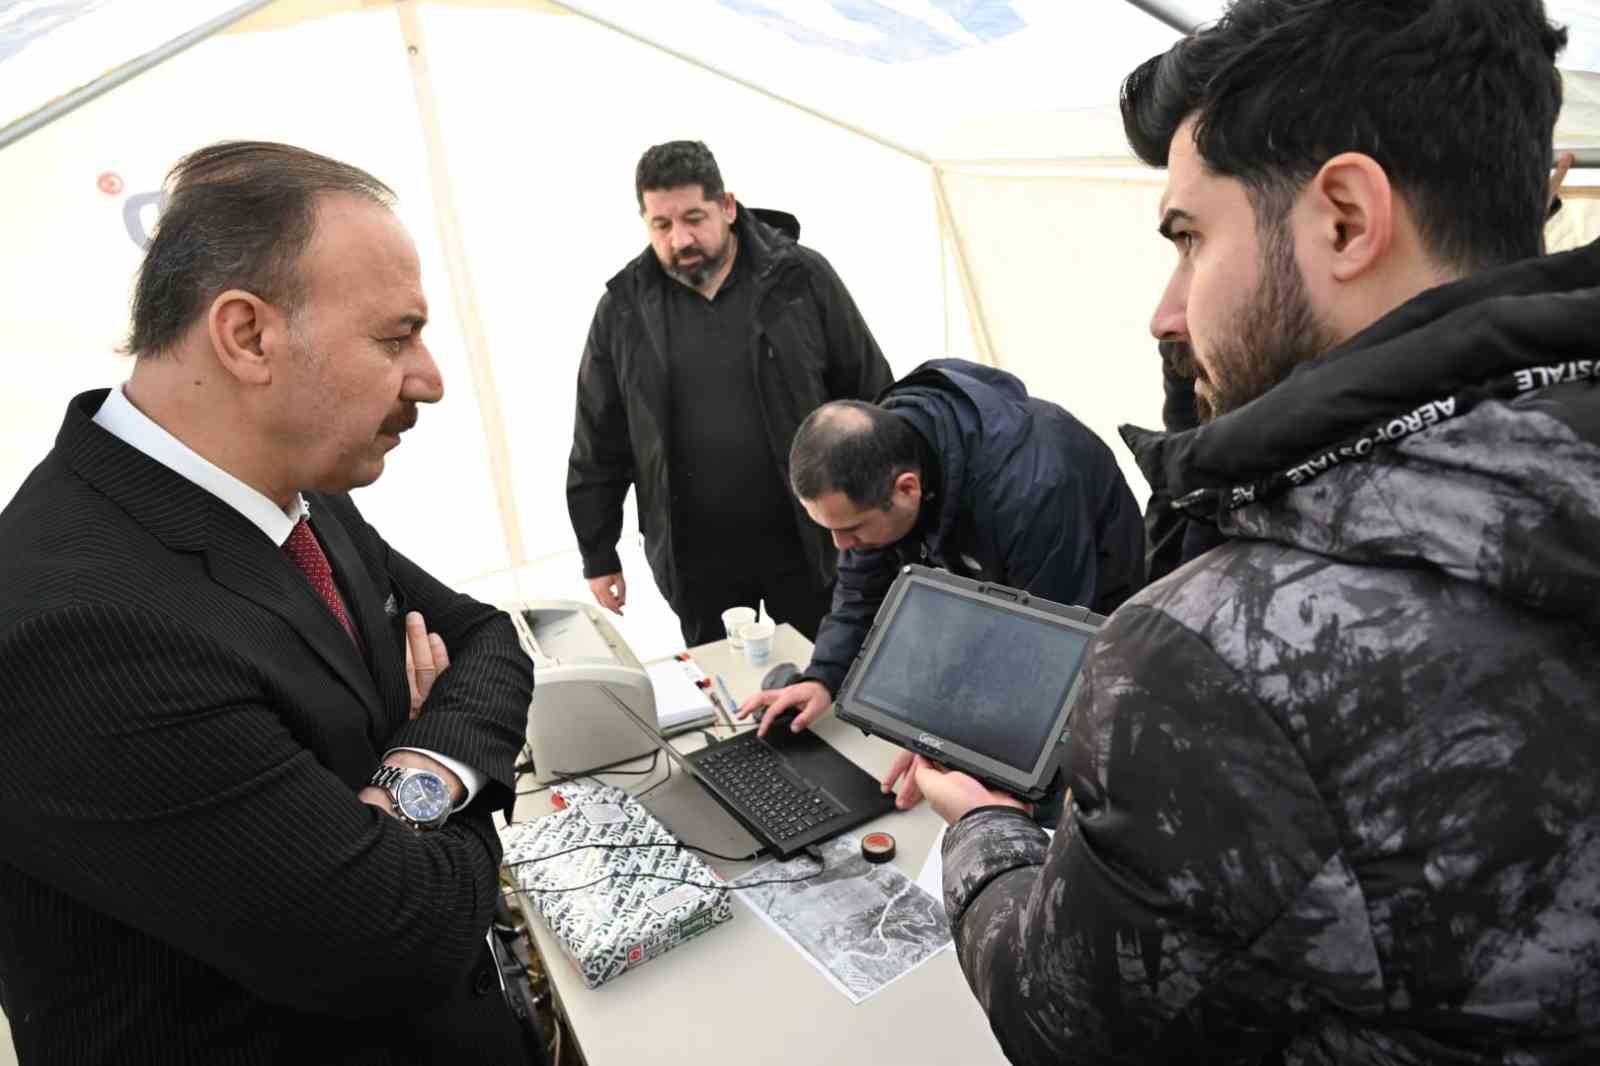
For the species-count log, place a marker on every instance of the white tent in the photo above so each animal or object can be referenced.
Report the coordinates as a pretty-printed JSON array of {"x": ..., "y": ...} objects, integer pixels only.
[{"x": 959, "y": 161}]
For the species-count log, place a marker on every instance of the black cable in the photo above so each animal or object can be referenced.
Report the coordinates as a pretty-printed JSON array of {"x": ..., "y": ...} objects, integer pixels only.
[
  {"x": 573, "y": 775},
  {"x": 719, "y": 887},
  {"x": 658, "y": 784},
  {"x": 565, "y": 778},
  {"x": 637, "y": 844}
]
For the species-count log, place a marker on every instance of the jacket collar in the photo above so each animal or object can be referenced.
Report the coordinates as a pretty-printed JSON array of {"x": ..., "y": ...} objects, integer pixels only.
[
  {"x": 1444, "y": 343},
  {"x": 766, "y": 237}
]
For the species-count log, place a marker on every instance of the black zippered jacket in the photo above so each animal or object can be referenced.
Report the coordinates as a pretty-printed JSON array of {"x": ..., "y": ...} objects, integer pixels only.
[
  {"x": 808, "y": 345},
  {"x": 1334, "y": 782}
]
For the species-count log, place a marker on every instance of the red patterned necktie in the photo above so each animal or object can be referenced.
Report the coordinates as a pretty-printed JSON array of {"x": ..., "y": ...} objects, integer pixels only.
[{"x": 302, "y": 548}]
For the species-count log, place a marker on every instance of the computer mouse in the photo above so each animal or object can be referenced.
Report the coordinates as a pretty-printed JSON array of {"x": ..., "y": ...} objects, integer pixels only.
[
  {"x": 781, "y": 675},
  {"x": 783, "y": 724}
]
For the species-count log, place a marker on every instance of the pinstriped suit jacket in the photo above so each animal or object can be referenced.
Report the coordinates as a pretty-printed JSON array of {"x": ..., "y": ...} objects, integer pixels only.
[{"x": 185, "y": 872}]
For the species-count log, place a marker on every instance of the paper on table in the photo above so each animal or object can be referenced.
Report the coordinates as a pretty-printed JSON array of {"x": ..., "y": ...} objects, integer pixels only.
[
  {"x": 863, "y": 926},
  {"x": 679, "y": 702}
]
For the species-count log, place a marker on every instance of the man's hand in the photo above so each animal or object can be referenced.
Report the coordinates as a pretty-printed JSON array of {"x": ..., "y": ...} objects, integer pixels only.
[
  {"x": 812, "y": 697},
  {"x": 426, "y": 659},
  {"x": 610, "y": 591},
  {"x": 902, "y": 780},
  {"x": 953, "y": 794},
  {"x": 414, "y": 760}
]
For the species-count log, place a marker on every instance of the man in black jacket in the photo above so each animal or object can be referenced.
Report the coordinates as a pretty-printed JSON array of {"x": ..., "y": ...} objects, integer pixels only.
[
  {"x": 705, "y": 353},
  {"x": 237, "y": 825},
  {"x": 956, "y": 466},
  {"x": 1334, "y": 781}
]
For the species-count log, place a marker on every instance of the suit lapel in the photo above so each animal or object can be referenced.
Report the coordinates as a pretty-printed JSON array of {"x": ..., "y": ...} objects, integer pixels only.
[
  {"x": 186, "y": 518},
  {"x": 364, "y": 601},
  {"x": 244, "y": 561}
]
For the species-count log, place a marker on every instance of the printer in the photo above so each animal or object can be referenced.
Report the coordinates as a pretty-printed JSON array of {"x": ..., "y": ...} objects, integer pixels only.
[{"x": 574, "y": 726}]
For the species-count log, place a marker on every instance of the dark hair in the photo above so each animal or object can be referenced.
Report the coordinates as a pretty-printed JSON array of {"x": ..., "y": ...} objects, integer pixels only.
[
  {"x": 1455, "y": 99},
  {"x": 855, "y": 448},
  {"x": 240, "y": 214},
  {"x": 676, "y": 163}
]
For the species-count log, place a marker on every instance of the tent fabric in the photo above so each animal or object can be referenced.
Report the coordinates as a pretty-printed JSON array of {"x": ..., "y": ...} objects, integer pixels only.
[{"x": 960, "y": 162}]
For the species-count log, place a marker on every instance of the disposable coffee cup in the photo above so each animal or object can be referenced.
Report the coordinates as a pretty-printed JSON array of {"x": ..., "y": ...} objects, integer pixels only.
[
  {"x": 732, "y": 619},
  {"x": 757, "y": 638}
]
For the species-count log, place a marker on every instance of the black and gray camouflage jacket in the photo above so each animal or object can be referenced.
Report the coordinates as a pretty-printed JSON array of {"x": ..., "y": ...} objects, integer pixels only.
[{"x": 1336, "y": 784}]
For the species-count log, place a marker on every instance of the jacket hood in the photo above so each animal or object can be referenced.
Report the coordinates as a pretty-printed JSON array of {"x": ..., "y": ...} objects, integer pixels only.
[
  {"x": 1461, "y": 431},
  {"x": 954, "y": 404}
]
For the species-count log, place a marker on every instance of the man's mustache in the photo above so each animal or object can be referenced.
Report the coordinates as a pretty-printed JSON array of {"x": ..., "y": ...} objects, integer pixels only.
[
  {"x": 1179, "y": 357},
  {"x": 399, "y": 422}
]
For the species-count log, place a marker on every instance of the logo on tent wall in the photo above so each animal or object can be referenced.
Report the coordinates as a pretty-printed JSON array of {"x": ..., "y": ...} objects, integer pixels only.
[
  {"x": 899, "y": 37},
  {"x": 135, "y": 208}
]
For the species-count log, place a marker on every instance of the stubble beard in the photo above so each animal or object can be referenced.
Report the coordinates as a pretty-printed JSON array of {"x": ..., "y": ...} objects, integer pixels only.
[
  {"x": 1270, "y": 336},
  {"x": 705, "y": 269}
]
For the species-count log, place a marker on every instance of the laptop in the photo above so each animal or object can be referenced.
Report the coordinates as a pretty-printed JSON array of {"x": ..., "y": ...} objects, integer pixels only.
[
  {"x": 789, "y": 790},
  {"x": 976, "y": 676}
]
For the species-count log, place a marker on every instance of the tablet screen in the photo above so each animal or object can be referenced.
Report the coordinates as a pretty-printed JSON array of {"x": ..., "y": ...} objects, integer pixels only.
[{"x": 985, "y": 677}]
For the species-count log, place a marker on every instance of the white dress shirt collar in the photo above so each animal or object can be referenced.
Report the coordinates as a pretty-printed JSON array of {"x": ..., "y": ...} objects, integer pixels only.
[
  {"x": 134, "y": 428},
  {"x": 130, "y": 425}
]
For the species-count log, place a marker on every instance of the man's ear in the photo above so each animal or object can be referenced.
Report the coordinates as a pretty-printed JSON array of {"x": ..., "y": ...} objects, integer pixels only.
[
  {"x": 241, "y": 324},
  {"x": 1352, "y": 208},
  {"x": 730, "y": 208},
  {"x": 909, "y": 483}
]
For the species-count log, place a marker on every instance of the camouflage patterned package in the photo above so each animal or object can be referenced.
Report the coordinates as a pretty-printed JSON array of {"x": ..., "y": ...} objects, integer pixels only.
[{"x": 612, "y": 908}]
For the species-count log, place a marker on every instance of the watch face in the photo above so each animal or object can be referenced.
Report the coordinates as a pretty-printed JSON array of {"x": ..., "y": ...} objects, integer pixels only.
[{"x": 422, "y": 797}]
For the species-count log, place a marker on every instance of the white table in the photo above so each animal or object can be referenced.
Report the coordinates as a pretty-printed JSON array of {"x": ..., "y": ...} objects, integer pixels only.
[{"x": 739, "y": 993}]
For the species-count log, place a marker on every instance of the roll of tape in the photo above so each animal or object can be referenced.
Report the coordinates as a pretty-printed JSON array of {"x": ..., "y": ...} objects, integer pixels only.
[{"x": 877, "y": 847}]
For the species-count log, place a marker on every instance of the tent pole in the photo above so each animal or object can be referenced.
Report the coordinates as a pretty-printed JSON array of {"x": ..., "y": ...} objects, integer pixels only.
[
  {"x": 969, "y": 290},
  {"x": 893, "y": 146},
  {"x": 75, "y": 99},
  {"x": 944, "y": 275},
  {"x": 466, "y": 302},
  {"x": 1169, "y": 12}
]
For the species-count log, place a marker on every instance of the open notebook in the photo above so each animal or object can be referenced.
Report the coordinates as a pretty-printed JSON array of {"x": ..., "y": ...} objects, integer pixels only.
[{"x": 680, "y": 702}]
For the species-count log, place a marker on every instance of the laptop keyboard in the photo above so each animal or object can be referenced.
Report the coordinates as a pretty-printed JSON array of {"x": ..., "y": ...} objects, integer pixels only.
[{"x": 764, "y": 788}]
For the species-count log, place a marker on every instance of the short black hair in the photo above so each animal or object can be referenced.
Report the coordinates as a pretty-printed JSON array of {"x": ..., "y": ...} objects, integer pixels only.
[
  {"x": 239, "y": 216},
  {"x": 1455, "y": 99},
  {"x": 677, "y": 163},
  {"x": 855, "y": 448}
]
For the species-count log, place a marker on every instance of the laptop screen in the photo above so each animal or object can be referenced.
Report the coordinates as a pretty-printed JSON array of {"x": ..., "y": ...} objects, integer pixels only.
[{"x": 985, "y": 677}]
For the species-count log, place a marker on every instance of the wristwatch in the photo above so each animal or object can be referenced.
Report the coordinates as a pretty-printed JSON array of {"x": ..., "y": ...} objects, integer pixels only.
[{"x": 420, "y": 797}]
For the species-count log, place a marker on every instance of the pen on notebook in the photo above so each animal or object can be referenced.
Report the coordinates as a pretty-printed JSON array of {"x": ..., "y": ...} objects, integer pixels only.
[
  {"x": 726, "y": 713},
  {"x": 733, "y": 704}
]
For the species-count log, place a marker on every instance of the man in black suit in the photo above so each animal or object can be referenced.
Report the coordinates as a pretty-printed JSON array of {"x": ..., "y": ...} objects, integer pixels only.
[{"x": 245, "y": 815}]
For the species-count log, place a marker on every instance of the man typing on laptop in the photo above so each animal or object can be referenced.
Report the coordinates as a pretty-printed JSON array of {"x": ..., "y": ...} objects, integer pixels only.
[{"x": 958, "y": 467}]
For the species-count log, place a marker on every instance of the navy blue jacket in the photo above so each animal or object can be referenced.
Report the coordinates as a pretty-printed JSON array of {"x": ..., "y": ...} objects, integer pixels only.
[{"x": 1027, "y": 496}]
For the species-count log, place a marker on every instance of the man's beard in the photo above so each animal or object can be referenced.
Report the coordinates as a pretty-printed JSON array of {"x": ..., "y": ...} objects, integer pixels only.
[
  {"x": 1271, "y": 335},
  {"x": 703, "y": 268}
]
